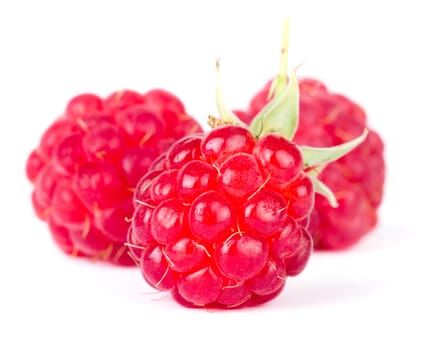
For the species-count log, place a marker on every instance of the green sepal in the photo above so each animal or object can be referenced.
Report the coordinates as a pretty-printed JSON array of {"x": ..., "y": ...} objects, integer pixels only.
[
  {"x": 315, "y": 171},
  {"x": 314, "y": 156},
  {"x": 281, "y": 115},
  {"x": 325, "y": 191},
  {"x": 226, "y": 116}
]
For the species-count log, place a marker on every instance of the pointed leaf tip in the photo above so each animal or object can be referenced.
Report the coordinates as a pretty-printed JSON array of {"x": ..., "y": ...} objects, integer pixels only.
[
  {"x": 314, "y": 156},
  {"x": 325, "y": 191}
]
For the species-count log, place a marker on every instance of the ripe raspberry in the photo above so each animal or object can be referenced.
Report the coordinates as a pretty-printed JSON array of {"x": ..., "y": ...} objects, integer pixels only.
[
  {"x": 220, "y": 218},
  {"x": 89, "y": 161},
  {"x": 328, "y": 119},
  {"x": 216, "y": 226}
]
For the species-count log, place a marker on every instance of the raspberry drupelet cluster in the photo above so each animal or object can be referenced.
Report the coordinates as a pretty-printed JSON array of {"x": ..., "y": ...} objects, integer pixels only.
[
  {"x": 357, "y": 179},
  {"x": 221, "y": 219},
  {"x": 89, "y": 160}
]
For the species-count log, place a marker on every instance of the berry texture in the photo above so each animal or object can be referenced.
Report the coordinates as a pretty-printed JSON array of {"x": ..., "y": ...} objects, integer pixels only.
[
  {"x": 217, "y": 221},
  {"x": 357, "y": 180},
  {"x": 89, "y": 161},
  {"x": 221, "y": 218}
]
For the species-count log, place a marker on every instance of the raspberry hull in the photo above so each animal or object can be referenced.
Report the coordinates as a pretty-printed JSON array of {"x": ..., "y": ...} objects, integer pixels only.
[
  {"x": 217, "y": 221},
  {"x": 357, "y": 179},
  {"x": 89, "y": 161}
]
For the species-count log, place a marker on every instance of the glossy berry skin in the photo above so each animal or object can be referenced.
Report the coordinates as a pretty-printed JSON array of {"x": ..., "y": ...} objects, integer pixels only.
[
  {"x": 328, "y": 119},
  {"x": 89, "y": 161},
  {"x": 213, "y": 223}
]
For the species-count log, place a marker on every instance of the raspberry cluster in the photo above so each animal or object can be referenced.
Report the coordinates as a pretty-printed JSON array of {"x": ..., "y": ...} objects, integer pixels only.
[
  {"x": 89, "y": 160},
  {"x": 219, "y": 219},
  {"x": 222, "y": 218}
]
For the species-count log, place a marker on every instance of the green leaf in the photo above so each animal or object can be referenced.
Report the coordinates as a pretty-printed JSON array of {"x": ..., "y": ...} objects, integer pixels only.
[
  {"x": 314, "y": 156},
  {"x": 225, "y": 114},
  {"x": 281, "y": 115},
  {"x": 325, "y": 191}
]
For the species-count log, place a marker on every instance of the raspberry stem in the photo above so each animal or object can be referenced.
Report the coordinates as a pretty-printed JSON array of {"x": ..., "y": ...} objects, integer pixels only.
[
  {"x": 281, "y": 115},
  {"x": 279, "y": 83}
]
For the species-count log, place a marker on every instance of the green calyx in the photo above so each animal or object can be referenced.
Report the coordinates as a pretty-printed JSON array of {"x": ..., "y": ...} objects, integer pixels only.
[{"x": 281, "y": 116}]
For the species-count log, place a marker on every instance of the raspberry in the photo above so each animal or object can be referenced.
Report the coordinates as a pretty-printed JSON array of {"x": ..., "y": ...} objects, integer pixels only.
[
  {"x": 220, "y": 219},
  {"x": 357, "y": 179},
  {"x": 89, "y": 160},
  {"x": 214, "y": 225}
]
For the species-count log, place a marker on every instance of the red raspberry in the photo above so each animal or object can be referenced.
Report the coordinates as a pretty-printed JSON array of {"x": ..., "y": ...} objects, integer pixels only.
[
  {"x": 220, "y": 219},
  {"x": 213, "y": 224},
  {"x": 89, "y": 161},
  {"x": 357, "y": 179}
]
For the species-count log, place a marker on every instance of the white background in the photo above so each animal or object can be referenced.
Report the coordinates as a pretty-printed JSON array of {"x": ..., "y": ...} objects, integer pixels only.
[{"x": 379, "y": 294}]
